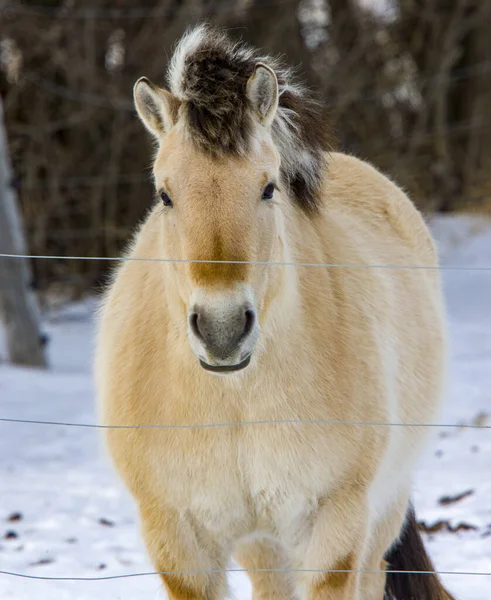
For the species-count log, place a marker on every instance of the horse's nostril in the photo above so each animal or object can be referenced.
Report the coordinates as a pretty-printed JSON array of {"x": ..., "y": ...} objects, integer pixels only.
[
  {"x": 250, "y": 319},
  {"x": 194, "y": 324}
]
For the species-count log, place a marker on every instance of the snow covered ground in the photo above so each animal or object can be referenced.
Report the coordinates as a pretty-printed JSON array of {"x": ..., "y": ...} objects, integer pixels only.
[{"x": 64, "y": 514}]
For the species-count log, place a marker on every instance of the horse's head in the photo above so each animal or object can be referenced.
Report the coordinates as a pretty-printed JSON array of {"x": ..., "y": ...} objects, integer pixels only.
[{"x": 219, "y": 173}]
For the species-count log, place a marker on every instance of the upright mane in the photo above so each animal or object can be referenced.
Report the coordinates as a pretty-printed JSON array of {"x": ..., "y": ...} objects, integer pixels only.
[{"x": 208, "y": 74}]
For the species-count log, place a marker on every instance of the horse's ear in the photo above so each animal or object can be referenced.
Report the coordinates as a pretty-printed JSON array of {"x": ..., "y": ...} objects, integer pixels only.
[
  {"x": 262, "y": 92},
  {"x": 156, "y": 107}
]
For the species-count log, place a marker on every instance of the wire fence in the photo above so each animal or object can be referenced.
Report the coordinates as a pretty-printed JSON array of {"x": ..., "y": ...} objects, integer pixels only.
[
  {"x": 260, "y": 422},
  {"x": 328, "y": 422},
  {"x": 266, "y": 421}
]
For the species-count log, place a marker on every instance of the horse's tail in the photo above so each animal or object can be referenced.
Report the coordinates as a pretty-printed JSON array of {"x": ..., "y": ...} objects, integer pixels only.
[{"x": 409, "y": 554}]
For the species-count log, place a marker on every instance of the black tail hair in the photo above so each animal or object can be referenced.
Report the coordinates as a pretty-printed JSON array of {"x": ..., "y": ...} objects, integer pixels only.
[{"x": 409, "y": 554}]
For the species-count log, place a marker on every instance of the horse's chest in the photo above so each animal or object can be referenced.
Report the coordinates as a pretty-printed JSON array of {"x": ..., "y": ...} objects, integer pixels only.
[{"x": 239, "y": 482}]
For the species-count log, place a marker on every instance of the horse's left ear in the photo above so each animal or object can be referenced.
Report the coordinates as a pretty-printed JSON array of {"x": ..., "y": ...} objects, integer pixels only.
[{"x": 262, "y": 92}]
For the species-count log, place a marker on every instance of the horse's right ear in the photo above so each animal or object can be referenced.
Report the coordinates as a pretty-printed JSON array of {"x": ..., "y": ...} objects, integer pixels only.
[{"x": 156, "y": 107}]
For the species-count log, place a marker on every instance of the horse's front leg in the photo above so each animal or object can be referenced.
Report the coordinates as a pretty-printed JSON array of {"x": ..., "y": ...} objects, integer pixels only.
[
  {"x": 335, "y": 550},
  {"x": 189, "y": 561}
]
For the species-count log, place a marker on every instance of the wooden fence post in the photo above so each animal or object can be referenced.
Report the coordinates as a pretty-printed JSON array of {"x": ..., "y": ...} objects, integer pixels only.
[{"x": 18, "y": 307}]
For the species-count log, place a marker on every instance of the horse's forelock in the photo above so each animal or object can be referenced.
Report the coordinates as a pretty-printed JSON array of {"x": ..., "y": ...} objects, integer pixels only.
[{"x": 209, "y": 74}]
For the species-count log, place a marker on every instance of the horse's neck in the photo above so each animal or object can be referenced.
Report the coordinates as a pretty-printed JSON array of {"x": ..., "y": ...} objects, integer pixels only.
[{"x": 284, "y": 314}]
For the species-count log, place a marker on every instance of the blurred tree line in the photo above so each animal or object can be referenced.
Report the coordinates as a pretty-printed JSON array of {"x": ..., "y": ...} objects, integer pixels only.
[{"x": 406, "y": 84}]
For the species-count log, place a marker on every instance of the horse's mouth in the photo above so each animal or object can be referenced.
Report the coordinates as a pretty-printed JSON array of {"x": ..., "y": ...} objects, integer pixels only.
[{"x": 226, "y": 368}]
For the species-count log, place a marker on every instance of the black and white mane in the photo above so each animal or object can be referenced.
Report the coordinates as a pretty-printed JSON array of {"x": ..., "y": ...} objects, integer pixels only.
[{"x": 208, "y": 74}]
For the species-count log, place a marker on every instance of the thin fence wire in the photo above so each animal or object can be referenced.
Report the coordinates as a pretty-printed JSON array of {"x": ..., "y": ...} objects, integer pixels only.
[
  {"x": 239, "y": 570},
  {"x": 247, "y": 423},
  {"x": 264, "y": 263}
]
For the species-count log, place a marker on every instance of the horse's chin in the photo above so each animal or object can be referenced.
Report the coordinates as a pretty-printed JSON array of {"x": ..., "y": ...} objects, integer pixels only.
[{"x": 226, "y": 369}]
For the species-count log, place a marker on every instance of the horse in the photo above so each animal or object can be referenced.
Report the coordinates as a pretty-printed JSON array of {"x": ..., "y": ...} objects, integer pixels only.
[{"x": 266, "y": 359}]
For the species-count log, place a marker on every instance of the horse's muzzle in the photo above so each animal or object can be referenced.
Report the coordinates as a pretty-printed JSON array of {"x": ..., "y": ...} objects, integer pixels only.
[{"x": 223, "y": 334}]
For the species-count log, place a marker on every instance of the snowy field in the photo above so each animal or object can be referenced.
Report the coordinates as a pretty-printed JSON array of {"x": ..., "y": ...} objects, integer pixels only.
[{"x": 64, "y": 514}]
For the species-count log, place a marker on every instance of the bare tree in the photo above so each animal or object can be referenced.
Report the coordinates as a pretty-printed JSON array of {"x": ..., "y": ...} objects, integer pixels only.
[
  {"x": 450, "y": 44},
  {"x": 17, "y": 305},
  {"x": 275, "y": 28},
  {"x": 409, "y": 92}
]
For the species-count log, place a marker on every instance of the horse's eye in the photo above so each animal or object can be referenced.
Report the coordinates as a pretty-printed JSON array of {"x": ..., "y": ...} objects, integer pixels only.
[
  {"x": 268, "y": 191},
  {"x": 166, "y": 200}
]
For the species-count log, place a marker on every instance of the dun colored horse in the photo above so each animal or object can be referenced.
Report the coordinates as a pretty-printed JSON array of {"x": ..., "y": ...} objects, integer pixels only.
[{"x": 305, "y": 482}]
